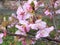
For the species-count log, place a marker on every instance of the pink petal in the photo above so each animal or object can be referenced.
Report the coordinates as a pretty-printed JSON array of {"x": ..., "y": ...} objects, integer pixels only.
[
  {"x": 20, "y": 28},
  {"x": 38, "y": 21},
  {"x": 47, "y": 12},
  {"x": 33, "y": 26},
  {"x": 19, "y": 10},
  {"x": 27, "y": 28},
  {"x": 24, "y": 42},
  {"x": 19, "y": 32},
  {"x": 49, "y": 29},
  {"x": 1, "y": 41},
  {"x": 1, "y": 35}
]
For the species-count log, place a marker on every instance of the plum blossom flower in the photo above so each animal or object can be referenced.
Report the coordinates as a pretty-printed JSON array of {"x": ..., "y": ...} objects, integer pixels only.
[
  {"x": 20, "y": 28},
  {"x": 20, "y": 10},
  {"x": 47, "y": 12},
  {"x": 44, "y": 33},
  {"x": 38, "y": 21},
  {"x": 24, "y": 13},
  {"x": 41, "y": 4},
  {"x": 56, "y": 4},
  {"x": 23, "y": 28},
  {"x": 1, "y": 36},
  {"x": 20, "y": 13},
  {"x": 40, "y": 24},
  {"x": 27, "y": 7},
  {"x": 33, "y": 26},
  {"x": 57, "y": 11}
]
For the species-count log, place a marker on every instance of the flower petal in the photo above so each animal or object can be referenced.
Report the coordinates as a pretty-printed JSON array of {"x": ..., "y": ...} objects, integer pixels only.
[
  {"x": 1, "y": 35},
  {"x": 1, "y": 41}
]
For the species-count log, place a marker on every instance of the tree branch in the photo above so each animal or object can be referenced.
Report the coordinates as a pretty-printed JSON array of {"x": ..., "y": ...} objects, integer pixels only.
[{"x": 30, "y": 37}]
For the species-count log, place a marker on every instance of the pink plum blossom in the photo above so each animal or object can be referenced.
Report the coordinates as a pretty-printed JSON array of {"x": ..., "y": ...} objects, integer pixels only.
[
  {"x": 24, "y": 42},
  {"x": 1, "y": 36},
  {"x": 40, "y": 24},
  {"x": 27, "y": 7},
  {"x": 41, "y": 4},
  {"x": 44, "y": 33},
  {"x": 23, "y": 13},
  {"x": 20, "y": 11},
  {"x": 56, "y": 4},
  {"x": 33, "y": 26},
  {"x": 23, "y": 28},
  {"x": 20, "y": 28},
  {"x": 47, "y": 12},
  {"x": 38, "y": 21},
  {"x": 57, "y": 11}
]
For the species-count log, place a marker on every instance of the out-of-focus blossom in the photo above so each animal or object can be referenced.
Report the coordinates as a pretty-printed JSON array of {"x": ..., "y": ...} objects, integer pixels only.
[
  {"x": 41, "y": 4},
  {"x": 38, "y": 21},
  {"x": 33, "y": 42},
  {"x": 10, "y": 19},
  {"x": 56, "y": 4},
  {"x": 1, "y": 36},
  {"x": 13, "y": 15},
  {"x": 57, "y": 12},
  {"x": 9, "y": 26},
  {"x": 47, "y": 12},
  {"x": 24, "y": 42}
]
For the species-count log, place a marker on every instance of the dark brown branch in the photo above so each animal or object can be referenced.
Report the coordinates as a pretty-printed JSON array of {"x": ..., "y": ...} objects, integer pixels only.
[
  {"x": 51, "y": 39},
  {"x": 48, "y": 38},
  {"x": 30, "y": 37}
]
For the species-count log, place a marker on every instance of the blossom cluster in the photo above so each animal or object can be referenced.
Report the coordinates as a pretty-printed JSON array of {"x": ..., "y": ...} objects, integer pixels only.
[{"x": 27, "y": 20}]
